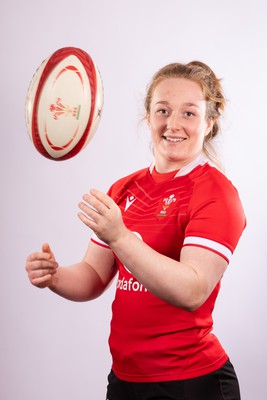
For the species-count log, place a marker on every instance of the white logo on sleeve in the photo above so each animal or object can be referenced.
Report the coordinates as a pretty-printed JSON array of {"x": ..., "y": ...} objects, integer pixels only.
[{"x": 129, "y": 202}]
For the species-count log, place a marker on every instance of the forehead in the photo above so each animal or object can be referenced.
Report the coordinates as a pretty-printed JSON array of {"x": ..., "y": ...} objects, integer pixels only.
[{"x": 177, "y": 89}]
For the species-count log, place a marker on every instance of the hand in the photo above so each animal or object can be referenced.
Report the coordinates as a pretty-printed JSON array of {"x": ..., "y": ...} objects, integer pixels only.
[
  {"x": 101, "y": 214},
  {"x": 41, "y": 267}
]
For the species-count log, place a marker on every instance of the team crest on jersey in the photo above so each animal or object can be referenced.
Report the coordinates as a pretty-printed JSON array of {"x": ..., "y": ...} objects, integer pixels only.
[{"x": 165, "y": 206}]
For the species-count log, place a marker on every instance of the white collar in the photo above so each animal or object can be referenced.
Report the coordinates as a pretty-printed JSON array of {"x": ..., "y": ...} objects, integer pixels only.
[{"x": 200, "y": 160}]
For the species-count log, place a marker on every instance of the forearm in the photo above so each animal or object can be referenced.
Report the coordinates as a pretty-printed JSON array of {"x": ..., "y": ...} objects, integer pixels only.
[
  {"x": 79, "y": 282},
  {"x": 168, "y": 279}
]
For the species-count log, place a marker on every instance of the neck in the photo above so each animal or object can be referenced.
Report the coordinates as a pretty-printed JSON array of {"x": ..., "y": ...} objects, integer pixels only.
[{"x": 165, "y": 167}]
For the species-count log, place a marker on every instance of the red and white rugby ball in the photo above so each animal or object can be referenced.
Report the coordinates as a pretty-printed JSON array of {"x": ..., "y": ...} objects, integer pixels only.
[{"x": 64, "y": 103}]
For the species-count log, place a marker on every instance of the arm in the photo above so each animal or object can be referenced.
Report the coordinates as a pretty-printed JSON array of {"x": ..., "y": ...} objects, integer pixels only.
[
  {"x": 186, "y": 284},
  {"x": 83, "y": 281}
]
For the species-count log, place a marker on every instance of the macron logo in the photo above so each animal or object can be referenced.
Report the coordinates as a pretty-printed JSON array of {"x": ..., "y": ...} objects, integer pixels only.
[{"x": 129, "y": 202}]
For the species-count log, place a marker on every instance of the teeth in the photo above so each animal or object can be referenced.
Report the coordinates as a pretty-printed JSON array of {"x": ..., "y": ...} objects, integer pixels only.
[{"x": 175, "y": 140}]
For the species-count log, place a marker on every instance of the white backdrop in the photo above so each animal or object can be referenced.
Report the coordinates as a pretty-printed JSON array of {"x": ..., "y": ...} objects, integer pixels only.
[{"x": 54, "y": 349}]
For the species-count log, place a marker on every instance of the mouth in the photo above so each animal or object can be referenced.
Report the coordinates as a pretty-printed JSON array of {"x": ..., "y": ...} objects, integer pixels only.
[{"x": 173, "y": 139}]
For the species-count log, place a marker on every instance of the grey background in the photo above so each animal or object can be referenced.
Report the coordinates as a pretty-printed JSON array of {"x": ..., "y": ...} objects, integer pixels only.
[{"x": 52, "y": 348}]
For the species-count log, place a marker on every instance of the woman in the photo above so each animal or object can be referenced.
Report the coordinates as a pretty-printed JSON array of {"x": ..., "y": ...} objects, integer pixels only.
[{"x": 170, "y": 231}]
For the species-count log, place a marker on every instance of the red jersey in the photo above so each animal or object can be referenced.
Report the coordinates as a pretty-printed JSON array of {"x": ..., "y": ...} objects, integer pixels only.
[{"x": 151, "y": 340}]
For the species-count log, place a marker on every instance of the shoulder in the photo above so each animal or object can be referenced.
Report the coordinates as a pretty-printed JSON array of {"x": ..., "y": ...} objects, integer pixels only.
[
  {"x": 215, "y": 195},
  {"x": 122, "y": 183},
  {"x": 209, "y": 181},
  {"x": 215, "y": 209}
]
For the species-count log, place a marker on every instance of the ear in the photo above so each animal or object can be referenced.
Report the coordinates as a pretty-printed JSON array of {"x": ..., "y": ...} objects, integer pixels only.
[
  {"x": 210, "y": 124},
  {"x": 148, "y": 119}
]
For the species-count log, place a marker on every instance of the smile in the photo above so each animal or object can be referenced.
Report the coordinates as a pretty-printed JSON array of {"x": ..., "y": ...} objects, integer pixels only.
[{"x": 174, "y": 139}]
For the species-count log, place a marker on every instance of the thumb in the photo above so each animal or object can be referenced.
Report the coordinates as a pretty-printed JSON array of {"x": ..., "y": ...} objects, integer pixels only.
[{"x": 46, "y": 249}]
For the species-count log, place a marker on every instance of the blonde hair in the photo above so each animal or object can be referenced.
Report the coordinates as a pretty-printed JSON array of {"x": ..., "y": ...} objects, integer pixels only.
[{"x": 203, "y": 75}]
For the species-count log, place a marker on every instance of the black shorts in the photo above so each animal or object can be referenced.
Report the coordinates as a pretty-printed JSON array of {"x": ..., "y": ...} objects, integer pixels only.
[{"x": 219, "y": 385}]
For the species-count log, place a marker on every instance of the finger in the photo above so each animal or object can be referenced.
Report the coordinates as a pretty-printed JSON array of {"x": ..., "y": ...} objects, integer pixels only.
[
  {"x": 40, "y": 260},
  {"x": 96, "y": 205},
  {"x": 90, "y": 212},
  {"x": 87, "y": 221},
  {"x": 102, "y": 197},
  {"x": 40, "y": 273},
  {"x": 36, "y": 271},
  {"x": 38, "y": 255},
  {"x": 46, "y": 249},
  {"x": 43, "y": 264},
  {"x": 41, "y": 280}
]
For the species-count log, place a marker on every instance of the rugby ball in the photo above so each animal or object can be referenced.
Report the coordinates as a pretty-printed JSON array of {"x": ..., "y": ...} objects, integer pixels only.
[{"x": 64, "y": 103}]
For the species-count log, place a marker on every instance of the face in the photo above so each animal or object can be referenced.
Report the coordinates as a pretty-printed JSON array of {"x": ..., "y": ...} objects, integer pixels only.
[{"x": 178, "y": 123}]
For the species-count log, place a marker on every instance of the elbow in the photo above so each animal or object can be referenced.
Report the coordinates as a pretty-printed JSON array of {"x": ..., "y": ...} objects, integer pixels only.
[
  {"x": 191, "y": 307},
  {"x": 194, "y": 297},
  {"x": 190, "y": 303}
]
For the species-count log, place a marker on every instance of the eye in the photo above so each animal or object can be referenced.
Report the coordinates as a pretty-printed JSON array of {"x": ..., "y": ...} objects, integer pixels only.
[
  {"x": 162, "y": 111},
  {"x": 189, "y": 114}
]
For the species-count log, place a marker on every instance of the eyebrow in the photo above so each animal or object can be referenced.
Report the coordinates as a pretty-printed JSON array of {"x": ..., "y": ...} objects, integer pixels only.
[{"x": 184, "y": 104}]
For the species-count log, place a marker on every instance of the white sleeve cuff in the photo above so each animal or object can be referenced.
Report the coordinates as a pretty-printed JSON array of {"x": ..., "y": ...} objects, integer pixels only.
[{"x": 208, "y": 244}]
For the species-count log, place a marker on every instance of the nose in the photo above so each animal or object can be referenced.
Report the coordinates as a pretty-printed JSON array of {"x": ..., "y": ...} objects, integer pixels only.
[{"x": 174, "y": 122}]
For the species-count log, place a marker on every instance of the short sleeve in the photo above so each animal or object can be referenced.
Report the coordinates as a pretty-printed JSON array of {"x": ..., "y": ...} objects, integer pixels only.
[{"x": 216, "y": 216}]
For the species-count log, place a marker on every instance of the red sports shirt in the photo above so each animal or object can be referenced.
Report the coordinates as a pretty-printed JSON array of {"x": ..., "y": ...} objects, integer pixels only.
[{"x": 151, "y": 340}]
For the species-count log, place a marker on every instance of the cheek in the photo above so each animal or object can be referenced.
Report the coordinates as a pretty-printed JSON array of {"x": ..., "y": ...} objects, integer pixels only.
[
  {"x": 154, "y": 135},
  {"x": 201, "y": 130},
  {"x": 160, "y": 124},
  {"x": 156, "y": 127}
]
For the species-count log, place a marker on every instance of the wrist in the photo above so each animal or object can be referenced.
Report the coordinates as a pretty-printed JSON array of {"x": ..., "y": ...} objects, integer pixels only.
[
  {"x": 120, "y": 241},
  {"x": 54, "y": 280}
]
